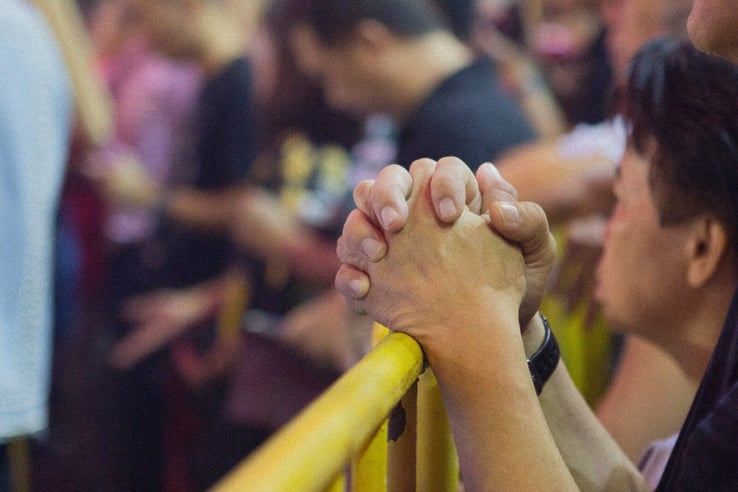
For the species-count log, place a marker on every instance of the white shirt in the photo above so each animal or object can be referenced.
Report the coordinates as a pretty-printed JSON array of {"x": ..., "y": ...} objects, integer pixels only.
[{"x": 35, "y": 112}]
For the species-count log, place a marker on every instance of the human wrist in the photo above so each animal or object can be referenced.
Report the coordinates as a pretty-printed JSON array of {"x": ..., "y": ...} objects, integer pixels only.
[{"x": 533, "y": 334}]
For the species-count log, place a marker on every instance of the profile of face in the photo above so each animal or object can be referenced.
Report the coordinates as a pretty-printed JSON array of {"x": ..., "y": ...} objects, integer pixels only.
[
  {"x": 712, "y": 27},
  {"x": 641, "y": 277},
  {"x": 169, "y": 25},
  {"x": 346, "y": 72}
]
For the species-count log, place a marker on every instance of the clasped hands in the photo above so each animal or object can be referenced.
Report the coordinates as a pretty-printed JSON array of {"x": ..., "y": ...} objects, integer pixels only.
[{"x": 437, "y": 248}]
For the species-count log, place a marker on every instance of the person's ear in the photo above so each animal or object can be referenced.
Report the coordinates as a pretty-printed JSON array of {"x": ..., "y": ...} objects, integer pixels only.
[{"x": 708, "y": 245}]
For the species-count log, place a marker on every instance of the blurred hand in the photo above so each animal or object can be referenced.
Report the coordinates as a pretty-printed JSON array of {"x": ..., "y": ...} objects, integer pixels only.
[
  {"x": 125, "y": 182},
  {"x": 261, "y": 224},
  {"x": 158, "y": 319},
  {"x": 197, "y": 369},
  {"x": 327, "y": 331}
]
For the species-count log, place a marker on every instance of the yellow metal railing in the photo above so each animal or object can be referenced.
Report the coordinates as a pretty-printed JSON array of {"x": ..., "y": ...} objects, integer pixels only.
[{"x": 341, "y": 440}]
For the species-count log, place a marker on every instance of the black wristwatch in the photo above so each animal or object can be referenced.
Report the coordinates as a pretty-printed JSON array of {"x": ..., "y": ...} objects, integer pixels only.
[{"x": 544, "y": 361}]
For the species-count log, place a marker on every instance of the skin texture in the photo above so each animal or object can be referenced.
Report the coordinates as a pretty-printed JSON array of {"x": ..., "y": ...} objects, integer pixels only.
[
  {"x": 529, "y": 443},
  {"x": 690, "y": 260},
  {"x": 448, "y": 243},
  {"x": 572, "y": 187},
  {"x": 711, "y": 27},
  {"x": 453, "y": 188},
  {"x": 634, "y": 292},
  {"x": 623, "y": 407},
  {"x": 496, "y": 297}
]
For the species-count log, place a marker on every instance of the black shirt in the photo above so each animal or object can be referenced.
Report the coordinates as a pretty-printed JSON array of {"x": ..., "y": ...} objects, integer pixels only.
[
  {"x": 225, "y": 148},
  {"x": 467, "y": 116},
  {"x": 705, "y": 456}
]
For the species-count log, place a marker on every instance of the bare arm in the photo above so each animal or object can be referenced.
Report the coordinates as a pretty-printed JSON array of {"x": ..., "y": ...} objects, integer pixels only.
[
  {"x": 506, "y": 436},
  {"x": 265, "y": 228},
  {"x": 565, "y": 187},
  {"x": 126, "y": 182},
  {"x": 593, "y": 457},
  {"x": 469, "y": 330},
  {"x": 202, "y": 210},
  {"x": 646, "y": 378}
]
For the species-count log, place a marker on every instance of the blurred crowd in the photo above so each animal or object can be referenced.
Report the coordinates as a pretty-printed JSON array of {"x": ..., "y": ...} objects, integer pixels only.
[{"x": 194, "y": 309}]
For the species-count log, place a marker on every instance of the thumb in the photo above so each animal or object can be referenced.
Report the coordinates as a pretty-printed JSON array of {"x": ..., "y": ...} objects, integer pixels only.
[
  {"x": 526, "y": 224},
  {"x": 493, "y": 186}
]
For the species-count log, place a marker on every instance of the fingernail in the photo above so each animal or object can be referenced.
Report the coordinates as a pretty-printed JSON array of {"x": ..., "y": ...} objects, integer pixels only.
[
  {"x": 447, "y": 209},
  {"x": 372, "y": 248},
  {"x": 388, "y": 216},
  {"x": 509, "y": 212},
  {"x": 359, "y": 288},
  {"x": 492, "y": 168}
]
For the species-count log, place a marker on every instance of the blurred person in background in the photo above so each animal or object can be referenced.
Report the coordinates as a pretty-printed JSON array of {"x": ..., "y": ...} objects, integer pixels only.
[
  {"x": 567, "y": 38},
  {"x": 35, "y": 134},
  {"x": 500, "y": 29},
  {"x": 383, "y": 57},
  {"x": 497, "y": 29},
  {"x": 304, "y": 175},
  {"x": 285, "y": 218},
  {"x": 152, "y": 98},
  {"x": 192, "y": 203},
  {"x": 568, "y": 175}
]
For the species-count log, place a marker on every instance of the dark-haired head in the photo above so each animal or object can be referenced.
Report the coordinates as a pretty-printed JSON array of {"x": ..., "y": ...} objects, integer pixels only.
[
  {"x": 334, "y": 20},
  {"x": 682, "y": 105},
  {"x": 297, "y": 101}
]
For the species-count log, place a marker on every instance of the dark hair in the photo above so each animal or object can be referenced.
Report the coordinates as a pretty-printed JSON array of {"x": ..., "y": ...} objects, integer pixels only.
[
  {"x": 459, "y": 15},
  {"x": 687, "y": 102},
  {"x": 335, "y": 20},
  {"x": 299, "y": 101}
]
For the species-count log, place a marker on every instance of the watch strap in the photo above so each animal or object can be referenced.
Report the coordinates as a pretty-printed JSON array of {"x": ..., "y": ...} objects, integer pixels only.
[{"x": 543, "y": 362}]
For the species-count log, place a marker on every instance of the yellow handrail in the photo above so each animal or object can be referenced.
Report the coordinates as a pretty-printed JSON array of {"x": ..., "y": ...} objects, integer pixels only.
[
  {"x": 438, "y": 463},
  {"x": 312, "y": 451}
]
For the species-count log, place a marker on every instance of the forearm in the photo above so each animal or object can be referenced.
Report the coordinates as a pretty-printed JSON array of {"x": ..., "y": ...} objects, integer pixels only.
[
  {"x": 537, "y": 100},
  {"x": 592, "y": 456},
  {"x": 203, "y": 210},
  {"x": 565, "y": 187},
  {"x": 311, "y": 257},
  {"x": 207, "y": 298},
  {"x": 501, "y": 434},
  {"x": 283, "y": 238}
]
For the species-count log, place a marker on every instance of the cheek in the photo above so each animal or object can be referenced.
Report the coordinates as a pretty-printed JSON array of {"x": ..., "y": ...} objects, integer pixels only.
[
  {"x": 711, "y": 26},
  {"x": 696, "y": 25},
  {"x": 612, "y": 262},
  {"x": 619, "y": 266}
]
